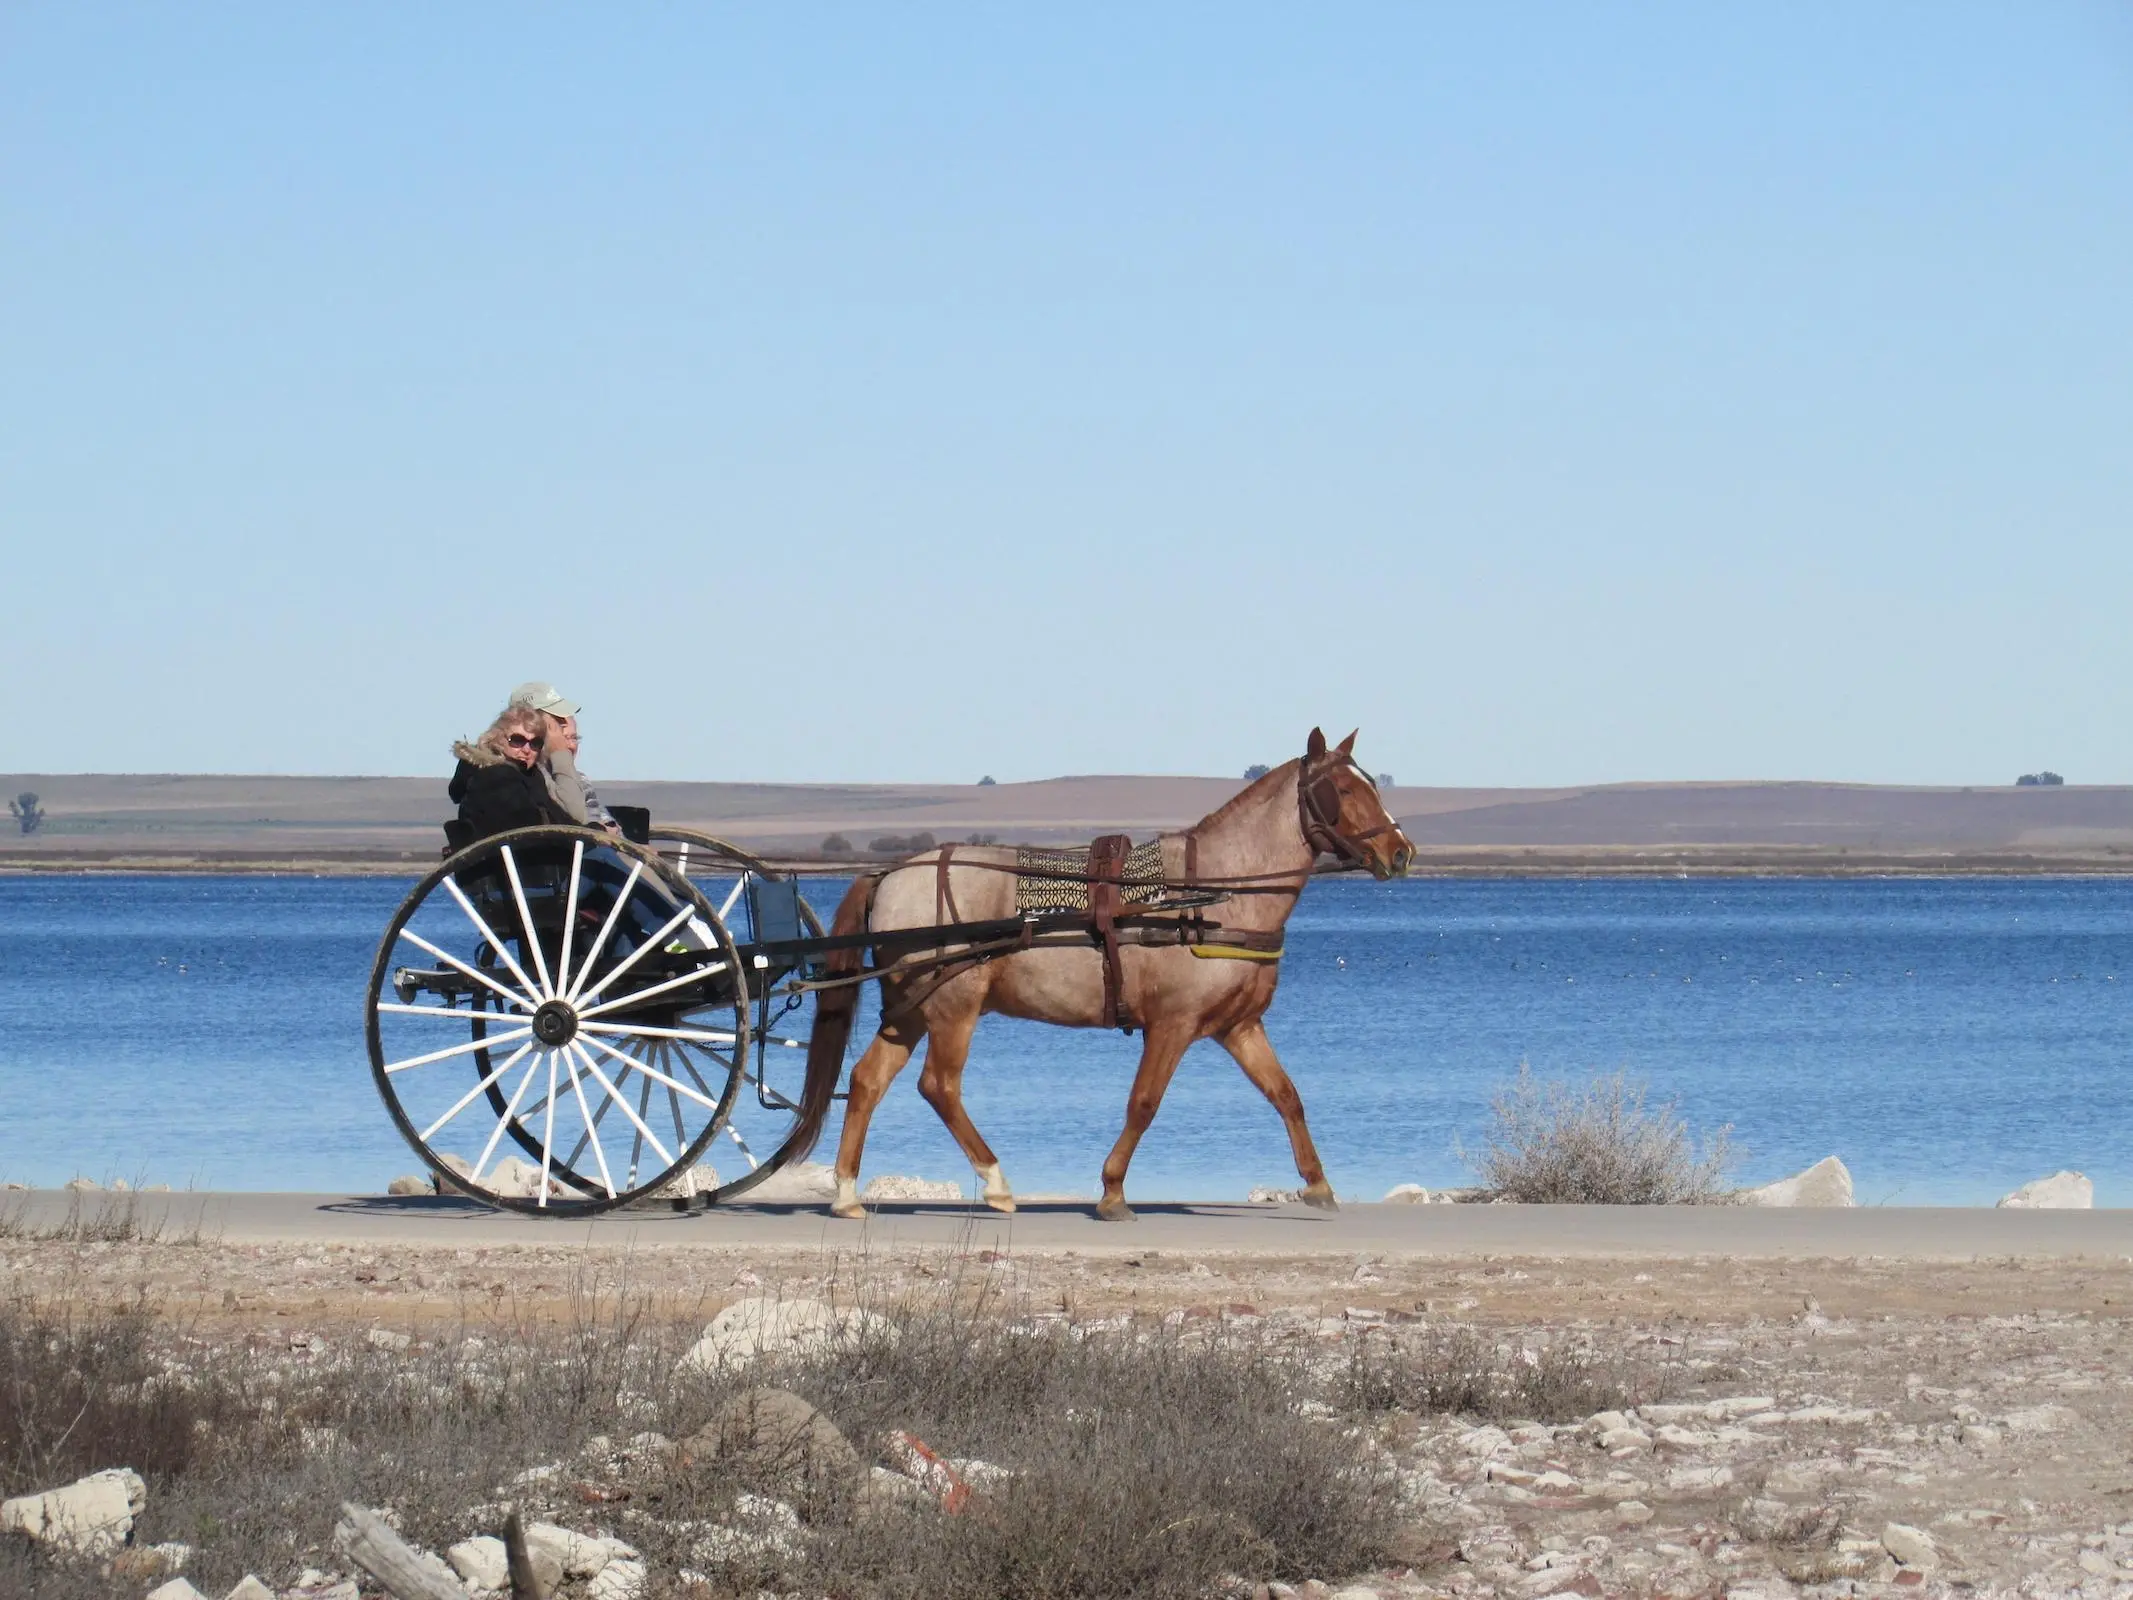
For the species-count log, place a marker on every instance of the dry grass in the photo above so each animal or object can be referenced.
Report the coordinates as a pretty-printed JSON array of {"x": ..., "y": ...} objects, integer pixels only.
[
  {"x": 1554, "y": 1144},
  {"x": 1138, "y": 1460},
  {"x": 1460, "y": 1371},
  {"x": 101, "y": 1216}
]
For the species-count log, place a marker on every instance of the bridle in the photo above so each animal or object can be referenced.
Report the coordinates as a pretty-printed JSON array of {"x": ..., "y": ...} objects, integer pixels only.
[{"x": 1318, "y": 810}]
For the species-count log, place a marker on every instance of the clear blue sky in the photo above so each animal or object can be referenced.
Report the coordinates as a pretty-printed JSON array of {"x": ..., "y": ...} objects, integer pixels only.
[{"x": 1561, "y": 393}]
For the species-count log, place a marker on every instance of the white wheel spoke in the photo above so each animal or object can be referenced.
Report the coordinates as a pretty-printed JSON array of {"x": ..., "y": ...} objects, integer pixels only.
[
  {"x": 503, "y": 951},
  {"x": 592, "y": 1132},
  {"x": 493, "y": 1040},
  {"x": 710, "y": 969},
  {"x": 504, "y": 1121},
  {"x": 644, "y": 1101},
  {"x": 547, "y": 1130},
  {"x": 525, "y": 921},
  {"x": 651, "y": 1072},
  {"x": 570, "y": 916},
  {"x": 451, "y": 1011},
  {"x": 746, "y": 1153},
  {"x": 726, "y": 910},
  {"x": 607, "y": 930},
  {"x": 615, "y": 1094},
  {"x": 467, "y": 1099},
  {"x": 693, "y": 1035},
  {"x": 524, "y": 1000},
  {"x": 653, "y": 943}
]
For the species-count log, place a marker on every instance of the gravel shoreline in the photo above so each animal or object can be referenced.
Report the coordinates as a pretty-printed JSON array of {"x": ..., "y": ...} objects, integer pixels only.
[{"x": 1987, "y": 1403}]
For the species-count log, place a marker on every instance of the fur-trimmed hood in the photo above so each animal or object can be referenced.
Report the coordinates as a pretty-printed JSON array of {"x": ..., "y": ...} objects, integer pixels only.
[{"x": 477, "y": 755}]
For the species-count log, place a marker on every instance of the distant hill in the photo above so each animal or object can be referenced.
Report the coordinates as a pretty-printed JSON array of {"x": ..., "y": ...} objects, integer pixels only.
[{"x": 393, "y": 822}]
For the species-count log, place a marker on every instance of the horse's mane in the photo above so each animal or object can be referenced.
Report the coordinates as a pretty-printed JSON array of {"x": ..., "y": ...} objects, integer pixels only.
[{"x": 1236, "y": 802}]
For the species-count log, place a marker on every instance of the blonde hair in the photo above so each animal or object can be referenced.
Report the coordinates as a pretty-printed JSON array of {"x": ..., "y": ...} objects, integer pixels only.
[{"x": 510, "y": 720}]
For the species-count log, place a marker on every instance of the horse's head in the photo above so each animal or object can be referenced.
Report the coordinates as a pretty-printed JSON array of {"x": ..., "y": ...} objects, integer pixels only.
[{"x": 1342, "y": 814}]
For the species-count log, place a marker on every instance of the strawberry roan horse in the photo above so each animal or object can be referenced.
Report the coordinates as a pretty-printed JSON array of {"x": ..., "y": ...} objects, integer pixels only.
[{"x": 1260, "y": 847}]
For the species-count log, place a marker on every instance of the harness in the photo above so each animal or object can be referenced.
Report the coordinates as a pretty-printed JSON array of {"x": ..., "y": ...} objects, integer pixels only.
[{"x": 1117, "y": 894}]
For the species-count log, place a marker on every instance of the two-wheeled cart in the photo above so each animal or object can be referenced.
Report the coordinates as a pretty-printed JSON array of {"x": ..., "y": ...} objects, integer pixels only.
[{"x": 562, "y": 1020}]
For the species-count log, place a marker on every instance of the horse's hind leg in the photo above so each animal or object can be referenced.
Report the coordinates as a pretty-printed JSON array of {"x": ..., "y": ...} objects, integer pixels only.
[
  {"x": 1161, "y": 1051},
  {"x": 871, "y": 1075},
  {"x": 947, "y": 1049},
  {"x": 1248, "y": 1043}
]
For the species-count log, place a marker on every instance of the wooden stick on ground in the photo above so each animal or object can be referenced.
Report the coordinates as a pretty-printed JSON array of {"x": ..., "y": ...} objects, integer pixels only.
[{"x": 405, "y": 1572}]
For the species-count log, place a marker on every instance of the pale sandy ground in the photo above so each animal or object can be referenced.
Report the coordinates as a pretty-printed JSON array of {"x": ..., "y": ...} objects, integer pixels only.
[{"x": 1951, "y": 1371}]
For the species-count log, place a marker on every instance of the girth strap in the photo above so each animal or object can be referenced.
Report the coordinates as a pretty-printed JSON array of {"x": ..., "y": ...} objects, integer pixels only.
[{"x": 1107, "y": 865}]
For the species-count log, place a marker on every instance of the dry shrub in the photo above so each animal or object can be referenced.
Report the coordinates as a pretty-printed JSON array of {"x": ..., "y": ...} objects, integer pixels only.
[
  {"x": 1462, "y": 1372},
  {"x": 1143, "y": 1461},
  {"x": 1554, "y": 1144},
  {"x": 83, "y": 1390}
]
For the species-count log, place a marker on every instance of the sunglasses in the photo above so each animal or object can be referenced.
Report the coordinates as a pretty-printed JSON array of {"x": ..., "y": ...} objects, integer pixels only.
[{"x": 519, "y": 741}]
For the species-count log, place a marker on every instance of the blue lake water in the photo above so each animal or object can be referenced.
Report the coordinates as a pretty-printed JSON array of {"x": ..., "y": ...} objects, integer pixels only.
[{"x": 1949, "y": 1038}]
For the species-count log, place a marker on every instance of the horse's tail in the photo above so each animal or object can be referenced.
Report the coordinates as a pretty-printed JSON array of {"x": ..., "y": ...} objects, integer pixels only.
[{"x": 834, "y": 1009}]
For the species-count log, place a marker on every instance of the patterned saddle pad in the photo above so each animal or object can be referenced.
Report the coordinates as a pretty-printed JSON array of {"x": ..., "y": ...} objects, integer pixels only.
[{"x": 1066, "y": 888}]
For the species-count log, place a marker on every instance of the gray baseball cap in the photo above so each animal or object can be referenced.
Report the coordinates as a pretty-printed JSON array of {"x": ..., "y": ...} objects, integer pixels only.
[{"x": 538, "y": 696}]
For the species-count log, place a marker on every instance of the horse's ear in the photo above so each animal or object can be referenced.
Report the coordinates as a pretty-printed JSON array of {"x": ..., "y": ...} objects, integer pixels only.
[
  {"x": 1347, "y": 745},
  {"x": 1316, "y": 747}
]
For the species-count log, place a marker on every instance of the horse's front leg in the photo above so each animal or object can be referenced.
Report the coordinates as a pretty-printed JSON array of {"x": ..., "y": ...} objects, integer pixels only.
[
  {"x": 1161, "y": 1050},
  {"x": 1248, "y": 1043}
]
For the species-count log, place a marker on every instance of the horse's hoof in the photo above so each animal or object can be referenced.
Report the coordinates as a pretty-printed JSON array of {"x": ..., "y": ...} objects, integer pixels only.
[
  {"x": 850, "y": 1210},
  {"x": 1319, "y": 1194},
  {"x": 1001, "y": 1202},
  {"x": 1114, "y": 1210}
]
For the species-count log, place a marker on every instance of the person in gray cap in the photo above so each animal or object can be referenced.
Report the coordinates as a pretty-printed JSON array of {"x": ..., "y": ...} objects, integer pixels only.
[{"x": 559, "y": 755}]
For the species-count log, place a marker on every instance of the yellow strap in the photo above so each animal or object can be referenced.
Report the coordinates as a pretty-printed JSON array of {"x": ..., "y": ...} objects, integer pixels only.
[{"x": 1231, "y": 952}]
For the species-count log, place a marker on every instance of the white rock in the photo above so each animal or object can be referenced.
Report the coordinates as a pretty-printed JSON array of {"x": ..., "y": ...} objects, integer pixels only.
[
  {"x": 249, "y": 1588},
  {"x": 802, "y": 1181},
  {"x": 620, "y": 1579},
  {"x": 82, "y": 1185},
  {"x": 2037, "y": 1419},
  {"x": 1406, "y": 1194},
  {"x": 1262, "y": 1195},
  {"x": 1691, "y": 1479},
  {"x": 92, "y": 1515},
  {"x": 1911, "y": 1547},
  {"x": 1632, "y": 1513},
  {"x": 699, "y": 1179},
  {"x": 482, "y": 1562},
  {"x": 889, "y": 1186},
  {"x": 2062, "y": 1191},
  {"x": 388, "y": 1338},
  {"x": 1827, "y": 1183},
  {"x": 176, "y": 1589},
  {"x": 581, "y": 1557},
  {"x": 415, "y": 1183},
  {"x": 1354, "y": 1591},
  {"x": 1620, "y": 1441},
  {"x": 762, "y": 1325}
]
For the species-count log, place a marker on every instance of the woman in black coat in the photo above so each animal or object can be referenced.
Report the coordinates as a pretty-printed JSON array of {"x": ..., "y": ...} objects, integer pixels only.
[{"x": 498, "y": 784}]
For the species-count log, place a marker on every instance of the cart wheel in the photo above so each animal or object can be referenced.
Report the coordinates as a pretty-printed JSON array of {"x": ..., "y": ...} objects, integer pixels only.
[
  {"x": 569, "y": 992},
  {"x": 756, "y": 1138}
]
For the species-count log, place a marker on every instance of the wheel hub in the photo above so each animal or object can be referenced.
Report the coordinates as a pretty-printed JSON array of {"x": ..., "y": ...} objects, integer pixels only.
[{"x": 555, "y": 1024}]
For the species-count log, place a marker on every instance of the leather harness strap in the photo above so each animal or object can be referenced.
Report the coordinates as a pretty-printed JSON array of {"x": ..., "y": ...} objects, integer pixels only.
[
  {"x": 1318, "y": 810},
  {"x": 944, "y": 911},
  {"x": 1107, "y": 865}
]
